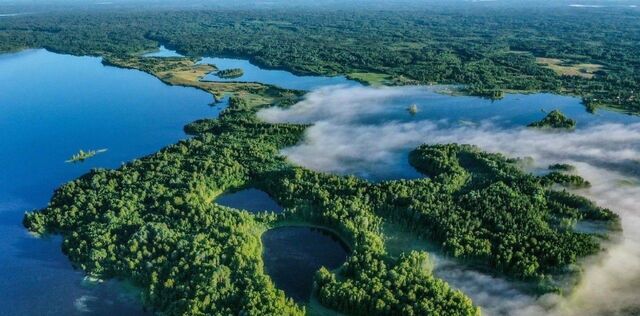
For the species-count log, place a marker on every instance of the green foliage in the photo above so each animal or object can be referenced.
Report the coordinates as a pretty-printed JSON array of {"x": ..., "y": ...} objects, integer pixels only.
[
  {"x": 375, "y": 290},
  {"x": 491, "y": 50},
  {"x": 562, "y": 167},
  {"x": 567, "y": 180},
  {"x": 230, "y": 73},
  {"x": 481, "y": 207},
  {"x": 555, "y": 119}
]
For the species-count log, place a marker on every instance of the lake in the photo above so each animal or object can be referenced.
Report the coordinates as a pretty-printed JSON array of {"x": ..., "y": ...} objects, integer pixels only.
[
  {"x": 292, "y": 255},
  {"x": 52, "y": 106}
]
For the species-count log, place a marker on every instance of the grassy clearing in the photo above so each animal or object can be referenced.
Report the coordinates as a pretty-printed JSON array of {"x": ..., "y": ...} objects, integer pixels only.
[
  {"x": 185, "y": 71},
  {"x": 379, "y": 79},
  {"x": 399, "y": 240},
  {"x": 566, "y": 69},
  {"x": 314, "y": 308},
  {"x": 369, "y": 78}
]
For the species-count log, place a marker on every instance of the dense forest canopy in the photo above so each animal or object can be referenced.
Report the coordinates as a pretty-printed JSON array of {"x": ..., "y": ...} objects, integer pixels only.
[{"x": 492, "y": 49}]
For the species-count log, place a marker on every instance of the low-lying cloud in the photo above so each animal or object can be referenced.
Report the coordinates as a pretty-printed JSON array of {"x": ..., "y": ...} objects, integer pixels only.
[{"x": 608, "y": 155}]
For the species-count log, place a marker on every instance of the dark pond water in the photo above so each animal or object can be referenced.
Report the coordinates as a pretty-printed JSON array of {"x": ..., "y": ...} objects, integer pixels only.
[
  {"x": 292, "y": 255},
  {"x": 51, "y": 106},
  {"x": 252, "y": 200}
]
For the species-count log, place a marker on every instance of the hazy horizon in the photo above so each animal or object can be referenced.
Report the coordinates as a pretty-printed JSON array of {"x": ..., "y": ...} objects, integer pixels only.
[{"x": 6, "y": 5}]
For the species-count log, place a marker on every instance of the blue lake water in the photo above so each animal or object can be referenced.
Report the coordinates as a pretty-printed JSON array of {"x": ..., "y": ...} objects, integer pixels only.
[
  {"x": 514, "y": 110},
  {"x": 51, "y": 106},
  {"x": 285, "y": 79},
  {"x": 163, "y": 52}
]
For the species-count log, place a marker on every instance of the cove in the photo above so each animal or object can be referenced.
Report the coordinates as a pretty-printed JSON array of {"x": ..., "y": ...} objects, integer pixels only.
[
  {"x": 163, "y": 52},
  {"x": 253, "y": 73},
  {"x": 252, "y": 200},
  {"x": 280, "y": 78},
  {"x": 51, "y": 106},
  {"x": 292, "y": 255}
]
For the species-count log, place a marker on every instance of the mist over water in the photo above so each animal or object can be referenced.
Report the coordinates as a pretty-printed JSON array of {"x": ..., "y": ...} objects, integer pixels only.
[{"x": 368, "y": 132}]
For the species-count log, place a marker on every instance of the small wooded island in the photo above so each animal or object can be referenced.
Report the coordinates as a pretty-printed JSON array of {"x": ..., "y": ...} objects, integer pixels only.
[
  {"x": 413, "y": 109},
  {"x": 231, "y": 73},
  {"x": 82, "y": 155},
  {"x": 555, "y": 119}
]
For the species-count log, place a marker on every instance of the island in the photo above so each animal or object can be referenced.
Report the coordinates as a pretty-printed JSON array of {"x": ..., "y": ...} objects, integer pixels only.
[
  {"x": 555, "y": 119},
  {"x": 231, "y": 73},
  {"x": 82, "y": 155},
  {"x": 413, "y": 109},
  {"x": 562, "y": 167}
]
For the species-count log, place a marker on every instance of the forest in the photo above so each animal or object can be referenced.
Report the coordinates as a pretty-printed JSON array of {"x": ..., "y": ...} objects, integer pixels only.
[
  {"x": 230, "y": 73},
  {"x": 554, "y": 119},
  {"x": 153, "y": 221},
  {"x": 493, "y": 50}
]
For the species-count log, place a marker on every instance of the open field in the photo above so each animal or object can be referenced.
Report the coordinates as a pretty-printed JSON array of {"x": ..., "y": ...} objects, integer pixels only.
[{"x": 562, "y": 68}]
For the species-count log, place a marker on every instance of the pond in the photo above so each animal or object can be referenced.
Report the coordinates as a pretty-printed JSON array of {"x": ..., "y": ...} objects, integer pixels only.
[
  {"x": 292, "y": 255},
  {"x": 52, "y": 106},
  {"x": 252, "y": 200}
]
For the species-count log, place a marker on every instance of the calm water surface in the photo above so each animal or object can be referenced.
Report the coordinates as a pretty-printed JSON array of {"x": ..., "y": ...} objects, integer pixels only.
[
  {"x": 292, "y": 255},
  {"x": 51, "y": 106},
  {"x": 512, "y": 111},
  {"x": 163, "y": 52},
  {"x": 252, "y": 200},
  {"x": 253, "y": 73},
  {"x": 279, "y": 78}
]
